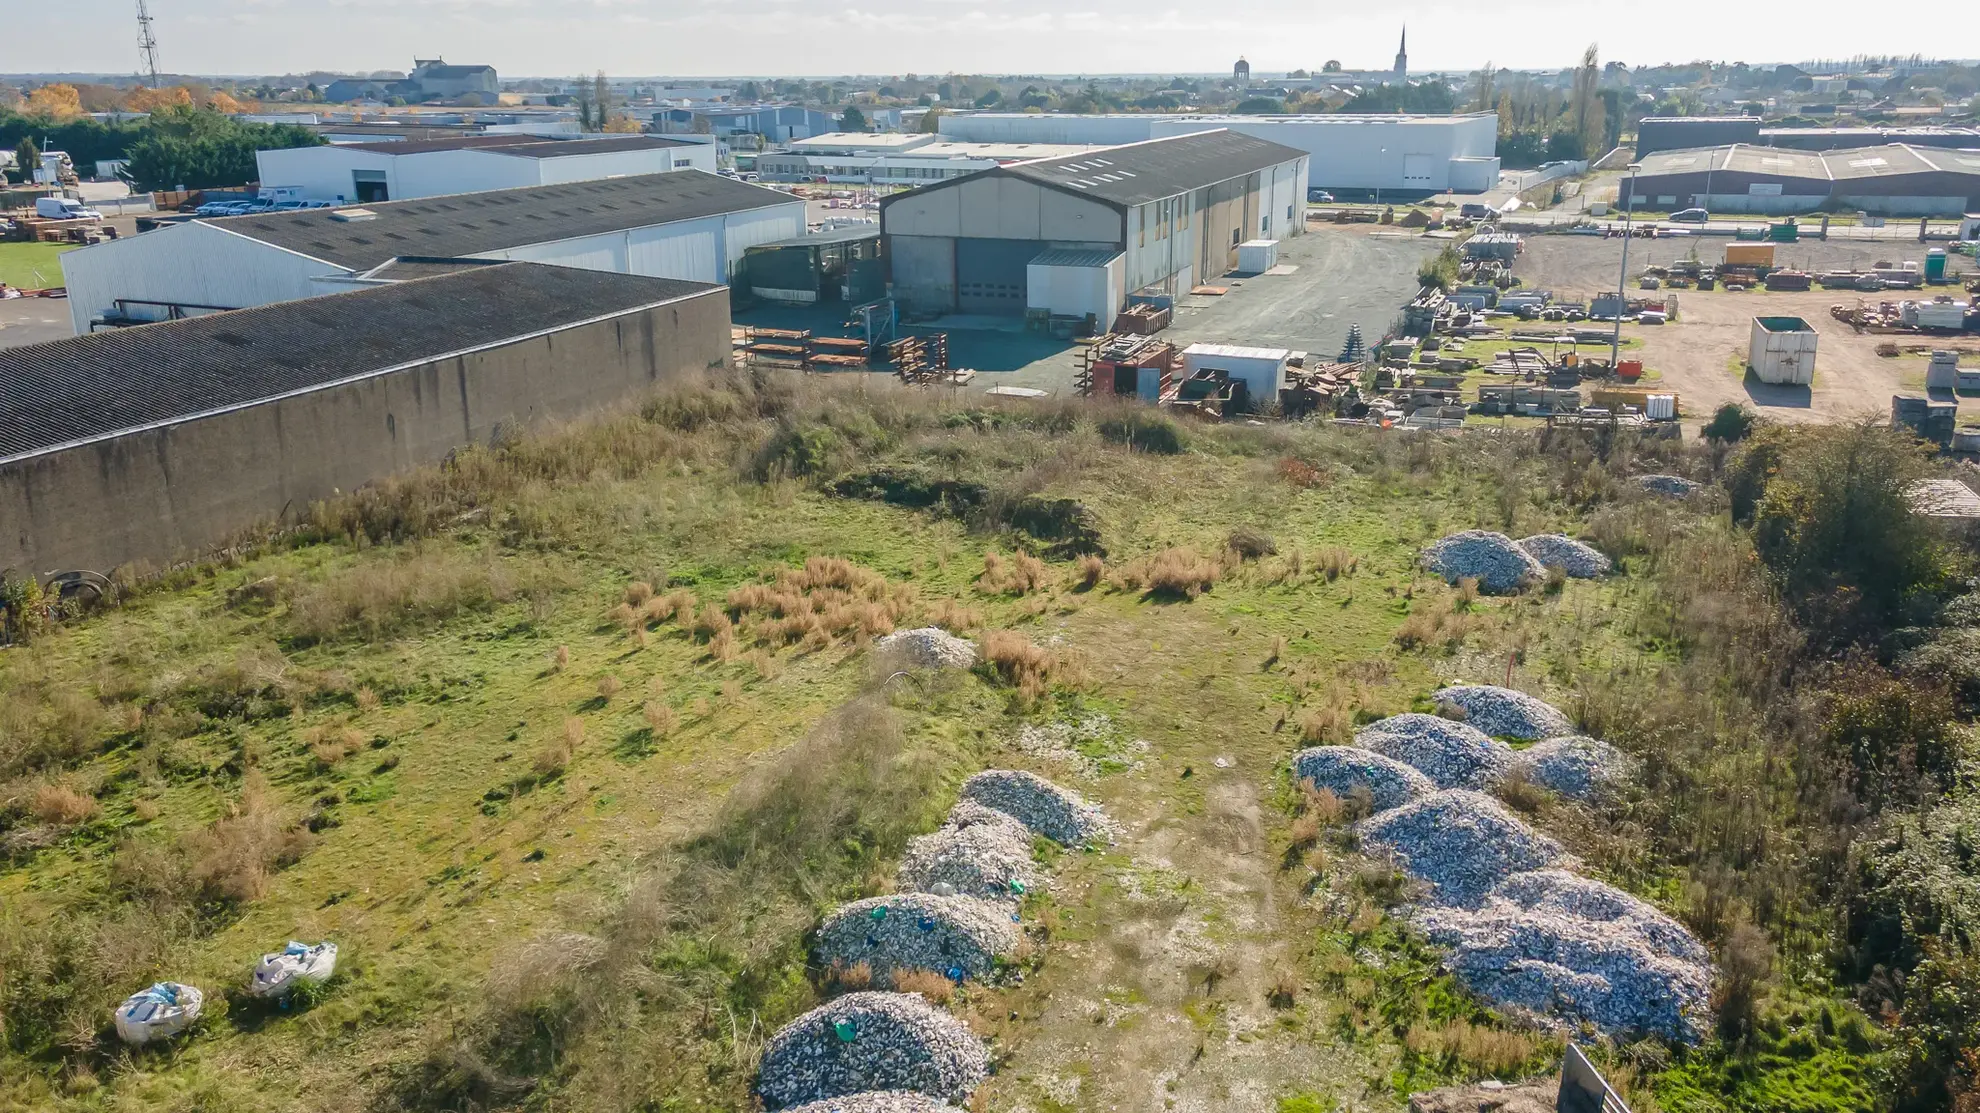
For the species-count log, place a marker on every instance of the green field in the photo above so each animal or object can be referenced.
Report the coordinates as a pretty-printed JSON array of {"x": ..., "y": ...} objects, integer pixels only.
[
  {"x": 32, "y": 266},
  {"x": 571, "y": 843}
]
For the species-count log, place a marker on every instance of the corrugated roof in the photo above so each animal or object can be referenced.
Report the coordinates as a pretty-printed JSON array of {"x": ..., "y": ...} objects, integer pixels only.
[
  {"x": 87, "y": 387},
  {"x": 1076, "y": 257},
  {"x": 1141, "y": 172},
  {"x": 451, "y": 143},
  {"x": 478, "y": 223},
  {"x": 409, "y": 267},
  {"x": 852, "y": 233},
  {"x": 521, "y": 146}
]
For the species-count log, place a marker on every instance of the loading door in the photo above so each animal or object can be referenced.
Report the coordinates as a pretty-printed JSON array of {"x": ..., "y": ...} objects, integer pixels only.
[{"x": 990, "y": 274}]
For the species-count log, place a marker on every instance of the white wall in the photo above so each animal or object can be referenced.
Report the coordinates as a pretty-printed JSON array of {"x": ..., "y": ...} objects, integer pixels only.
[
  {"x": 188, "y": 263},
  {"x": 619, "y": 164},
  {"x": 703, "y": 250},
  {"x": 324, "y": 173},
  {"x": 1077, "y": 291}
]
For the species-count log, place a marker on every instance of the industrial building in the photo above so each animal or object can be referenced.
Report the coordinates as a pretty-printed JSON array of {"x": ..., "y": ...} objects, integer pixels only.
[
  {"x": 684, "y": 224},
  {"x": 1408, "y": 154},
  {"x": 893, "y": 158},
  {"x": 158, "y": 443},
  {"x": 431, "y": 79},
  {"x": 1165, "y": 213},
  {"x": 402, "y": 171},
  {"x": 778, "y": 123},
  {"x": 1678, "y": 133},
  {"x": 1892, "y": 180}
]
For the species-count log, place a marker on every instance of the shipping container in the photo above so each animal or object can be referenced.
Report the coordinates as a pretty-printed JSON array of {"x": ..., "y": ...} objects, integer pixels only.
[
  {"x": 1750, "y": 254},
  {"x": 1782, "y": 351},
  {"x": 1262, "y": 370},
  {"x": 1257, "y": 256}
]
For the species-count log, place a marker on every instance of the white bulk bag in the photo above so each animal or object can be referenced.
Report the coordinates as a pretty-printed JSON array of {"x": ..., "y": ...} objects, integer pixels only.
[
  {"x": 279, "y": 973},
  {"x": 158, "y": 1013}
]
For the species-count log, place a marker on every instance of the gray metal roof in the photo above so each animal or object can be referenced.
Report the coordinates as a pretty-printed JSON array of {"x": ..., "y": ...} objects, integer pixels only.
[
  {"x": 521, "y": 146},
  {"x": 88, "y": 387},
  {"x": 852, "y": 233},
  {"x": 450, "y": 143},
  {"x": 408, "y": 267},
  {"x": 1142, "y": 172},
  {"x": 478, "y": 223},
  {"x": 1075, "y": 257}
]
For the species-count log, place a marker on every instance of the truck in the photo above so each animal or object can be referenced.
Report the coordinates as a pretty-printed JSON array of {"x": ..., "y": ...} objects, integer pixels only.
[{"x": 63, "y": 208}]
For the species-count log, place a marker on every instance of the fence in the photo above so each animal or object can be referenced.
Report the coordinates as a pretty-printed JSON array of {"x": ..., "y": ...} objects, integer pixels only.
[{"x": 1583, "y": 1089}]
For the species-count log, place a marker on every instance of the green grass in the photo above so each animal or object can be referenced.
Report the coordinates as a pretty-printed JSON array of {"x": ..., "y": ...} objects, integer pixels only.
[
  {"x": 32, "y": 266},
  {"x": 787, "y": 777}
]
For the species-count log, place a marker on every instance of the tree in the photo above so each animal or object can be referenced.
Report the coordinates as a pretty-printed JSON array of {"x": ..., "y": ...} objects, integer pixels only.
[
  {"x": 1259, "y": 106},
  {"x": 931, "y": 122},
  {"x": 226, "y": 105},
  {"x": 1332, "y": 66},
  {"x": 1585, "y": 104},
  {"x": 55, "y": 102},
  {"x": 142, "y": 99},
  {"x": 622, "y": 124},
  {"x": 990, "y": 99},
  {"x": 27, "y": 159},
  {"x": 852, "y": 119},
  {"x": 1730, "y": 423},
  {"x": 1486, "y": 100}
]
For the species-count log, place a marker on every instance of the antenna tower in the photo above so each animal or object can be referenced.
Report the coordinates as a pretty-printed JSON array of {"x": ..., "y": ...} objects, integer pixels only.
[{"x": 148, "y": 42}]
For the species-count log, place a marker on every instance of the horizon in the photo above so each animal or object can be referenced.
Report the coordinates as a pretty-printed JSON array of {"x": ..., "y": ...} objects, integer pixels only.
[{"x": 744, "y": 39}]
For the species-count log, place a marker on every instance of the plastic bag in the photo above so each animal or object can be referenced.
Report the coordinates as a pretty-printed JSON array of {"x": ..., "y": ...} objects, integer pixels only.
[
  {"x": 158, "y": 1013},
  {"x": 278, "y": 974}
]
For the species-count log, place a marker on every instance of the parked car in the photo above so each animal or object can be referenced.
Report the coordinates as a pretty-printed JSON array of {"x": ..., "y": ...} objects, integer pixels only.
[
  {"x": 1691, "y": 216},
  {"x": 1319, "y": 197},
  {"x": 1474, "y": 210}
]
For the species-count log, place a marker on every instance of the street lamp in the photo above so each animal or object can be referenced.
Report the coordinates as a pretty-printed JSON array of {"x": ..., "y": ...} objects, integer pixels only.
[{"x": 1622, "y": 279}]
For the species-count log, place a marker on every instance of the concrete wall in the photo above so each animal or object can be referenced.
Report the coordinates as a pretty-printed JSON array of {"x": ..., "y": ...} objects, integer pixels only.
[
  {"x": 324, "y": 173},
  {"x": 996, "y": 206},
  {"x": 188, "y": 263},
  {"x": 176, "y": 490}
]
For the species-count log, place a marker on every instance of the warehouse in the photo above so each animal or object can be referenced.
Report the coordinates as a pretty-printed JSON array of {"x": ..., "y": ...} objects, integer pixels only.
[
  {"x": 685, "y": 224},
  {"x": 1892, "y": 180},
  {"x": 1174, "y": 210},
  {"x": 368, "y": 173},
  {"x": 1656, "y": 134},
  {"x": 154, "y": 444},
  {"x": 892, "y": 158},
  {"x": 1408, "y": 155}
]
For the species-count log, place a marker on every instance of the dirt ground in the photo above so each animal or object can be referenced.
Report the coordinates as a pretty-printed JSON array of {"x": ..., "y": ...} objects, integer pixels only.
[
  {"x": 33, "y": 321},
  {"x": 1702, "y": 355}
]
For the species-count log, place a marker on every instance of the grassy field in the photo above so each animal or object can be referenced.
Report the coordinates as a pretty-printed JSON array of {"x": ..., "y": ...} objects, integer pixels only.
[
  {"x": 32, "y": 266},
  {"x": 570, "y": 802}
]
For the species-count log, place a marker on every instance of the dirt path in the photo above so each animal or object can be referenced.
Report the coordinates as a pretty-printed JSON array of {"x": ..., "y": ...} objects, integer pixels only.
[{"x": 1155, "y": 989}]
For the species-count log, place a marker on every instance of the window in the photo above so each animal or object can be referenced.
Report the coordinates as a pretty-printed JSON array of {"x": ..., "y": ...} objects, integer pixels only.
[
  {"x": 682, "y": 163},
  {"x": 1289, "y": 212},
  {"x": 1236, "y": 235},
  {"x": 1141, "y": 226},
  {"x": 1264, "y": 224}
]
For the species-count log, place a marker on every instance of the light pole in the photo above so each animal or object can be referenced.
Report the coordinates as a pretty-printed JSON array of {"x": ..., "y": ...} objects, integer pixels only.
[
  {"x": 1381, "y": 168},
  {"x": 1622, "y": 279}
]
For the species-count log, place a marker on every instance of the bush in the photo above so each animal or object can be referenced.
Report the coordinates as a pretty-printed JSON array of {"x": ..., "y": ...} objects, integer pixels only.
[
  {"x": 380, "y": 597},
  {"x": 1014, "y": 660},
  {"x": 1440, "y": 270},
  {"x": 1181, "y": 573},
  {"x": 1146, "y": 431},
  {"x": 1250, "y": 544},
  {"x": 234, "y": 860},
  {"x": 1730, "y": 423},
  {"x": 62, "y": 806}
]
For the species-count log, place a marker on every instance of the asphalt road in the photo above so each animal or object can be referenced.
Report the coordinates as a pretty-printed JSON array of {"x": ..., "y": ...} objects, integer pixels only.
[{"x": 33, "y": 321}]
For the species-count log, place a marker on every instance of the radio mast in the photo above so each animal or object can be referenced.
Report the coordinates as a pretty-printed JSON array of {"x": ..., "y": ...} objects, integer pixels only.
[{"x": 148, "y": 42}]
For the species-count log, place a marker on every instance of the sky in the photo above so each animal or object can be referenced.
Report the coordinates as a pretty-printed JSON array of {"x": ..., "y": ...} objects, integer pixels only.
[{"x": 525, "y": 38}]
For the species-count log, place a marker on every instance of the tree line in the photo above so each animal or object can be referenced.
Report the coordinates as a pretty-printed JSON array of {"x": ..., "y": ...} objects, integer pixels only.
[{"x": 175, "y": 146}]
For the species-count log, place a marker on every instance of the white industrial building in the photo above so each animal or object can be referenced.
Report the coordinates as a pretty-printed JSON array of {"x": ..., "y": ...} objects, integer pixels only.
[
  {"x": 403, "y": 171},
  {"x": 1404, "y": 153},
  {"x": 894, "y": 158},
  {"x": 682, "y": 224},
  {"x": 1152, "y": 217}
]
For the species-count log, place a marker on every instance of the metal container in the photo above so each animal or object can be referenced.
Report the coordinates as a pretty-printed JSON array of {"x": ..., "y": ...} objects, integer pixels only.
[
  {"x": 1943, "y": 372},
  {"x": 1782, "y": 351},
  {"x": 1966, "y": 438},
  {"x": 1750, "y": 254},
  {"x": 1257, "y": 256}
]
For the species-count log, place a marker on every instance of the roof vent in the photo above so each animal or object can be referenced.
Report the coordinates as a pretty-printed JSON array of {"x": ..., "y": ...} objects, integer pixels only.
[{"x": 352, "y": 216}]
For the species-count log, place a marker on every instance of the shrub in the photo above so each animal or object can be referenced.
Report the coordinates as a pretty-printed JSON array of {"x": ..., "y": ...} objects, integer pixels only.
[
  {"x": 1746, "y": 959},
  {"x": 638, "y": 592},
  {"x": 1013, "y": 659},
  {"x": 938, "y": 989},
  {"x": 660, "y": 718},
  {"x": 1730, "y": 423},
  {"x": 1250, "y": 544},
  {"x": 1299, "y": 473},
  {"x": 1146, "y": 431},
  {"x": 1022, "y": 574},
  {"x": 374, "y": 598},
  {"x": 62, "y": 806},
  {"x": 332, "y": 743},
  {"x": 608, "y": 686}
]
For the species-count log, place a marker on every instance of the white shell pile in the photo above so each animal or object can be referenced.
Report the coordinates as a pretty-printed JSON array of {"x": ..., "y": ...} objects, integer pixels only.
[
  {"x": 929, "y": 647},
  {"x": 958, "y": 936},
  {"x": 876, "y": 1101},
  {"x": 1504, "y": 713},
  {"x": 1563, "y": 946},
  {"x": 1558, "y": 550},
  {"x": 1451, "y": 754},
  {"x": 871, "y": 1041},
  {"x": 1462, "y": 842},
  {"x": 1575, "y": 766},
  {"x": 1062, "y": 816},
  {"x": 1499, "y": 565},
  {"x": 1670, "y": 486},
  {"x": 1344, "y": 769},
  {"x": 983, "y": 860}
]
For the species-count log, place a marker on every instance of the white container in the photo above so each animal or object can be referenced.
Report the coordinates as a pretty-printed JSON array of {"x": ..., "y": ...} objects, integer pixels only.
[
  {"x": 1661, "y": 407},
  {"x": 1257, "y": 256},
  {"x": 1262, "y": 370},
  {"x": 1782, "y": 351},
  {"x": 1942, "y": 314},
  {"x": 1943, "y": 372}
]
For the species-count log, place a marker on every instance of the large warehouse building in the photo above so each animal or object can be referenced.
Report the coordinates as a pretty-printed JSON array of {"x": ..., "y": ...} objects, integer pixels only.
[
  {"x": 368, "y": 173},
  {"x": 684, "y": 225},
  {"x": 1678, "y": 133},
  {"x": 1162, "y": 215},
  {"x": 1406, "y": 154},
  {"x": 894, "y": 158},
  {"x": 154, "y": 444},
  {"x": 1892, "y": 180}
]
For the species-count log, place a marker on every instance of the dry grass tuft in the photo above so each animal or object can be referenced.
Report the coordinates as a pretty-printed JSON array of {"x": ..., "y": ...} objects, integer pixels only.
[
  {"x": 954, "y": 617},
  {"x": 1322, "y": 806},
  {"x": 62, "y": 806},
  {"x": 367, "y": 700},
  {"x": 146, "y": 809},
  {"x": 827, "y": 601},
  {"x": 1284, "y": 992},
  {"x": 623, "y": 616},
  {"x": 236, "y": 858},
  {"x": 561, "y": 659},
  {"x": 1333, "y": 562},
  {"x": 638, "y": 592},
  {"x": 1299, "y": 473},
  {"x": 608, "y": 686},
  {"x": 675, "y": 606},
  {"x": 1180, "y": 573},
  {"x": 1022, "y": 574},
  {"x": 937, "y": 989},
  {"x": 556, "y": 754},
  {"x": 1091, "y": 571},
  {"x": 332, "y": 743},
  {"x": 1021, "y": 664},
  {"x": 660, "y": 718},
  {"x": 1490, "y": 1051},
  {"x": 840, "y": 978},
  {"x": 1250, "y": 544}
]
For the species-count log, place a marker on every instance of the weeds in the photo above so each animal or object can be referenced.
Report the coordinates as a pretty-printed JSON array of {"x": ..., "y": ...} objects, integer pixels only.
[
  {"x": 62, "y": 806},
  {"x": 1022, "y": 574}
]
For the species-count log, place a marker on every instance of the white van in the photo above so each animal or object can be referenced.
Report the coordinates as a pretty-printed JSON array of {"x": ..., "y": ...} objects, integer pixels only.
[{"x": 63, "y": 208}]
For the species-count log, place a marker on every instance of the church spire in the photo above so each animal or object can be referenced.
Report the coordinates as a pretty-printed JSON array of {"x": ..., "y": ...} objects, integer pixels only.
[{"x": 1402, "y": 55}]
